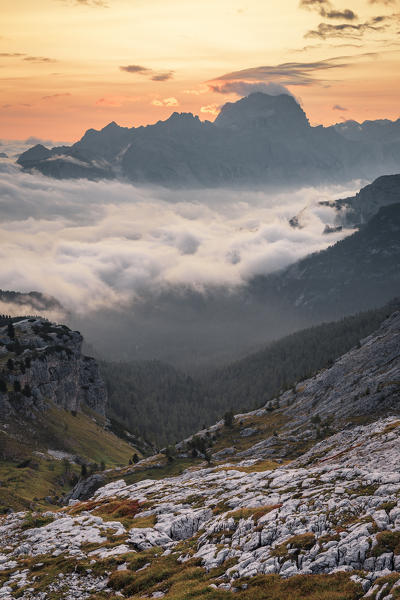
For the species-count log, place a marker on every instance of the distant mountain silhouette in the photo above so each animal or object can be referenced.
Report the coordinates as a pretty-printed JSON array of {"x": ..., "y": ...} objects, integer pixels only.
[{"x": 260, "y": 139}]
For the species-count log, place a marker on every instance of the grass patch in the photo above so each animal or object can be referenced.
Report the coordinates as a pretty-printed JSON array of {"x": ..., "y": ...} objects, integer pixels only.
[
  {"x": 31, "y": 521},
  {"x": 390, "y": 427},
  {"x": 255, "y": 513},
  {"x": 28, "y": 476},
  {"x": 363, "y": 490},
  {"x": 304, "y": 541},
  {"x": 259, "y": 467},
  {"x": 168, "y": 469},
  {"x": 388, "y": 541}
]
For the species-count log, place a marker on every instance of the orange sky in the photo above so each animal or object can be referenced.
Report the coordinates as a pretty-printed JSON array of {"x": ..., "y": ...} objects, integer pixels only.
[{"x": 60, "y": 60}]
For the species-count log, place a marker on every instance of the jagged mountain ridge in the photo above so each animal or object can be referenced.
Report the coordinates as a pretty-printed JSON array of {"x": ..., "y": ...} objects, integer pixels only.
[
  {"x": 327, "y": 521},
  {"x": 260, "y": 139}
]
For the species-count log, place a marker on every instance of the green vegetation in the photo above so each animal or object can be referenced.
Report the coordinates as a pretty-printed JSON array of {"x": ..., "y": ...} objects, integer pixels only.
[
  {"x": 29, "y": 474},
  {"x": 300, "y": 542},
  {"x": 388, "y": 541},
  {"x": 30, "y": 521},
  {"x": 185, "y": 404}
]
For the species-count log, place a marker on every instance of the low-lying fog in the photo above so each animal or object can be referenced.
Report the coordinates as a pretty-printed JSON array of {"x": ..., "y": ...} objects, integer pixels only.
[{"x": 102, "y": 245}]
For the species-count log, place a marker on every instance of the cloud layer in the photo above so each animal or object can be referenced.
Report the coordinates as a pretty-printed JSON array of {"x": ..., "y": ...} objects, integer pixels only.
[{"x": 94, "y": 244}]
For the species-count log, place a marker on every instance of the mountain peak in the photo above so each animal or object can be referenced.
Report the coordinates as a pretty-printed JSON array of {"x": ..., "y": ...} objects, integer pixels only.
[
  {"x": 38, "y": 152},
  {"x": 111, "y": 126},
  {"x": 182, "y": 117},
  {"x": 262, "y": 110}
]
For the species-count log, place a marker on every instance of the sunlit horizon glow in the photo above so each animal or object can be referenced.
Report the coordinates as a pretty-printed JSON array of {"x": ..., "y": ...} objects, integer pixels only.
[{"x": 69, "y": 65}]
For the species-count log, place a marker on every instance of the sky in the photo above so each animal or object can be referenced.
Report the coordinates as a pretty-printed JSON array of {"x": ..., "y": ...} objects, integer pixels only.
[{"x": 68, "y": 65}]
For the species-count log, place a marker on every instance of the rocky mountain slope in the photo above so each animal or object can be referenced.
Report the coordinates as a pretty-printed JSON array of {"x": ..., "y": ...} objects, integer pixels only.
[
  {"x": 42, "y": 363},
  {"x": 358, "y": 210},
  {"x": 259, "y": 139},
  {"x": 138, "y": 390},
  {"x": 52, "y": 413},
  {"x": 356, "y": 273},
  {"x": 319, "y": 518}
]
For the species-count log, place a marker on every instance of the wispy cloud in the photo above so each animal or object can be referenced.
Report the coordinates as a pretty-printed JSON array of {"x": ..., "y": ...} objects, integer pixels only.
[
  {"x": 17, "y": 105},
  {"x": 387, "y": 2},
  {"x": 135, "y": 69},
  {"x": 11, "y": 55},
  {"x": 326, "y": 10},
  {"x": 338, "y": 107},
  {"x": 376, "y": 24},
  {"x": 92, "y": 3},
  {"x": 244, "y": 88},
  {"x": 27, "y": 57},
  {"x": 165, "y": 102},
  {"x": 55, "y": 96},
  {"x": 163, "y": 76},
  {"x": 154, "y": 75},
  {"x": 39, "y": 59},
  {"x": 290, "y": 73},
  {"x": 211, "y": 109}
]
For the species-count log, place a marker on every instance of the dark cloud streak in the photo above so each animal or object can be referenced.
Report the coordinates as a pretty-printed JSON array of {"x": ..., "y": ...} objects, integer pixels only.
[
  {"x": 346, "y": 30},
  {"x": 135, "y": 69},
  {"x": 154, "y": 75},
  {"x": 291, "y": 73},
  {"x": 326, "y": 10}
]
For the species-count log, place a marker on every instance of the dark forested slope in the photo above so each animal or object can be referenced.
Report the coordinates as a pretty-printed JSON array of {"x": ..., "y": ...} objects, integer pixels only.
[{"x": 166, "y": 405}]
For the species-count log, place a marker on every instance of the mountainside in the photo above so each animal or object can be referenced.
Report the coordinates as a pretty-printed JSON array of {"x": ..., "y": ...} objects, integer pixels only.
[
  {"x": 260, "y": 139},
  {"x": 190, "y": 328},
  {"x": 52, "y": 413},
  {"x": 358, "y": 210},
  {"x": 139, "y": 390},
  {"x": 308, "y": 505},
  {"x": 358, "y": 272}
]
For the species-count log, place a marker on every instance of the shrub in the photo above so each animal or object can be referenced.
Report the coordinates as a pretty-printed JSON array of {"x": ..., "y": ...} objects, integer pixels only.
[
  {"x": 388, "y": 541},
  {"x": 228, "y": 418}
]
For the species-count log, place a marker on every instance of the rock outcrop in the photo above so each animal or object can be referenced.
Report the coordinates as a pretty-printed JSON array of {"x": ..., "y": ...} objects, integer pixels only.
[{"x": 42, "y": 362}]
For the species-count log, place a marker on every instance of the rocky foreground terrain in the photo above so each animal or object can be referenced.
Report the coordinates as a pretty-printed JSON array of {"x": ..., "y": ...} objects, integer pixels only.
[{"x": 251, "y": 522}]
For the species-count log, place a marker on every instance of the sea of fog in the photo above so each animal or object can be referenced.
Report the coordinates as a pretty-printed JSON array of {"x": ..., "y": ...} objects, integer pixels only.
[{"x": 95, "y": 244}]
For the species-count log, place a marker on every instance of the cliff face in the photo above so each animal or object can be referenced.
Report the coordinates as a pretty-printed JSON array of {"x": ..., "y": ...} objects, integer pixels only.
[{"x": 41, "y": 362}]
